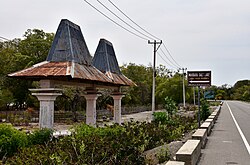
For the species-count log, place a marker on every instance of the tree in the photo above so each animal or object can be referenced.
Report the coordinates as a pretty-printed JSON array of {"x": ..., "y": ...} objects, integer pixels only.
[
  {"x": 18, "y": 54},
  {"x": 142, "y": 76},
  {"x": 242, "y": 93},
  {"x": 241, "y": 90},
  {"x": 36, "y": 44},
  {"x": 170, "y": 106}
]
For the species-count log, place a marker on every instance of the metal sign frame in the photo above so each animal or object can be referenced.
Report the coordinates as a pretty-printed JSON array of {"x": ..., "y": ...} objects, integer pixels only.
[{"x": 199, "y": 78}]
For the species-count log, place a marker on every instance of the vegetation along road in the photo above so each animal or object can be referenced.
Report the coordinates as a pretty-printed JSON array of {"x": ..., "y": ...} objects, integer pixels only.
[{"x": 229, "y": 141}]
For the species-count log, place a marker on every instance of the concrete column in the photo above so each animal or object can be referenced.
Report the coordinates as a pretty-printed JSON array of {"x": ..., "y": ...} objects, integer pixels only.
[
  {"x": 47, "y": 98},
  {"x": 91, "y": 108},
  {"x": 117, "y": 107}
]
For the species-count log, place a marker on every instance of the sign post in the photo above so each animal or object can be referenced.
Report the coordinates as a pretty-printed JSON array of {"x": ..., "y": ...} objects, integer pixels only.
[
  {"x": 199, "y": 111},
  {"x": 199, "y": 78}
]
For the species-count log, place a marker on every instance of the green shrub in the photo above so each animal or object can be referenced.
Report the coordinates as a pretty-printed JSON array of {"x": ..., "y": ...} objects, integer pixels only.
[
  {"x": 40, "y": 136},
  {"x": 204, "y": 109},
  {"x": 11, "y": 140},
  {"x": 108, "y": 145},
  {"x": 160, "y": 117},
  {"x": 163, "y": 155},
  {"x": 170, "y": 106}
]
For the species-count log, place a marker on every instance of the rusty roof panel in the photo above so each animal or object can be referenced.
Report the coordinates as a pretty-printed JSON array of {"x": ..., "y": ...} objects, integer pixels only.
[
  {"x": 69, "y": 58},
  {"x": 43, "y": 69},
  {"x": 90, "y": 73},
  {"x": 74, "y": 70},
  {"x": 122, "y": 80}
]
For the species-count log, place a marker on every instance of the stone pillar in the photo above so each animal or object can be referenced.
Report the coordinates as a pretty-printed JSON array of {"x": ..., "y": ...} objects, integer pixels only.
[
  {"x": 117, "y": 107},
  {"x": 47, "y": 97},
  {"x": 91, "y": 96}
]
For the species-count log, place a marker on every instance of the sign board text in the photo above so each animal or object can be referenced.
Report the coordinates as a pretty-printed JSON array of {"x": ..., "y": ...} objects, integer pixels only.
[{"x": 199, "y": 78}]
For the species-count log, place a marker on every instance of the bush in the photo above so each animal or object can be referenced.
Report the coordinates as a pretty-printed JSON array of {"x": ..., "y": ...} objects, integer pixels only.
[
  {"x": 108, "y": 145},
  {"x": 204, "y": 109},
  {"x": 11, "y": 140},
  {"x": 170, "y": 106},
  {"x": 41, "y": 136},
  {"x": 160, "y": 117}
]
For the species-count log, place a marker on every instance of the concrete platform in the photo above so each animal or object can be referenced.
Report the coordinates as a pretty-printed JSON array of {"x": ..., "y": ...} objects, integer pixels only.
[
  {"x": 210, "y": 120},
  {"x": 201, "y": 134},
  {"x": 208, "y": 126},
  {"x": 189, "y": 152},
  {"x": 175, "y": 163}
]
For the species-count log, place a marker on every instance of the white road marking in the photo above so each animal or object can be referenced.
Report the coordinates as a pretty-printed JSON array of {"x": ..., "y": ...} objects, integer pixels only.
[{"x": 241, "y": 133}]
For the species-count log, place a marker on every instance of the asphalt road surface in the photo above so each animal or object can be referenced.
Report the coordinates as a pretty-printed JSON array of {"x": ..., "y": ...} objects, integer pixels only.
[{"x": 229, "y": 141}]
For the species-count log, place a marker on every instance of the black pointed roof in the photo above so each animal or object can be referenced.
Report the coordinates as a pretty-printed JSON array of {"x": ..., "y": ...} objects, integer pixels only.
[
  {"x": 69, "y": 45},
  {"x": 105, "y": 58},
  {"x": 69, "y": 61}
]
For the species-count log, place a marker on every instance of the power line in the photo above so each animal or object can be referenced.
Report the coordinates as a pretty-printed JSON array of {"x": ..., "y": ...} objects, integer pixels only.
[
  {"x": 173, "y": 64},
  {"x": 123, "y": 20},
  {"x": 144, "y": 31},
  {"x": 166, "y": 61},
  {"x": 114, "y": 21},
  {"x": 132, "y": 20},
  {"x": 3, "y": 38},
  {"x": 171, "y": 55},
  {"x": 142, "y": 35}
]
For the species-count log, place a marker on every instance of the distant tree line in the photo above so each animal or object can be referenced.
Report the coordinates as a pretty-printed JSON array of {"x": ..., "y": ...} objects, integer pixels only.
[
  {"x": 240, "y": 91},
  {"x": 33, "y": 48}
]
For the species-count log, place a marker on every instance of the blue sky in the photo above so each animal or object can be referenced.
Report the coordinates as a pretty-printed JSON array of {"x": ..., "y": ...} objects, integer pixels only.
[{"x": 201, "y": 35}]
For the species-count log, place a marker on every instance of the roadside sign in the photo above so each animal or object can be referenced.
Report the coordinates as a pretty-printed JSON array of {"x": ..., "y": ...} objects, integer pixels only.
[
  {"x": 199, "y": 78},
  {"x": 209, "y": 94}
]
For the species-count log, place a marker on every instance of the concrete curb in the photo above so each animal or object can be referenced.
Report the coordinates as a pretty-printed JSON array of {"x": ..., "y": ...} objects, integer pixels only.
[
  {"x": 201, "y": 134},
  {"x": 207, "y": 126},
  {"x": 190, "y": 152},
  {"x": 175, "y": 163},
  {"x": 192, "y": 148}
]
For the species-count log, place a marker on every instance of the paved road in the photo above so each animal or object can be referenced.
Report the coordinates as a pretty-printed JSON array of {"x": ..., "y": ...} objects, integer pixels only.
[{"x": 228, "y": 144}]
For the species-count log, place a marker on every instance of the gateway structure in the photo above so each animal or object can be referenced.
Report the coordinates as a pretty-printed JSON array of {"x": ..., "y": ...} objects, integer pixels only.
[{"x": 70, "y": 63}]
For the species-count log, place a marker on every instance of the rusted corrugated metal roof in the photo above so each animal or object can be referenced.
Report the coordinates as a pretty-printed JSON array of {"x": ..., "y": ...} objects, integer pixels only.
[
  {"x": 62, "y": 69},
  {"x": 121, "y": 79},
  {"x": 69, "y": 59}
]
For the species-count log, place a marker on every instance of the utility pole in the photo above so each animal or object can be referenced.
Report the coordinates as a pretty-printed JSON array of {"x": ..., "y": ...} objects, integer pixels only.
[
  {"x": 194, "y": 95},
  {"x": 183, "y": 83},
  {"x": 154, "y": 73}
]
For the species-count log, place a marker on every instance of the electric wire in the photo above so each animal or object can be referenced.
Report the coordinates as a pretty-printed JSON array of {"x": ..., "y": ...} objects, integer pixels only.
[
  {"x": 174, "y": 67},
  {"x": 3, "y": 38},
  {"x": 171, "y": 63},
  {"x": 123, "y": 20},
  {"x": 176, "y": 64},
  {"x": 114, "y": 21},
  {"x": 132, "y": 20},
  {"x": 170, "y": 55},
  {"x": 168, "y": 58}
]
